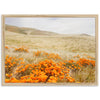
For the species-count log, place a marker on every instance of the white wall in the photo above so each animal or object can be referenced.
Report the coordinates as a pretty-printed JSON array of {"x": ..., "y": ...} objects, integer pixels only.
[{"x": 49, "y": 7}]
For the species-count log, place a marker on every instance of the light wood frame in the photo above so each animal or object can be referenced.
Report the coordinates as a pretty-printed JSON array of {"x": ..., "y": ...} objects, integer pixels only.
[{"x": 49, "y": 84}]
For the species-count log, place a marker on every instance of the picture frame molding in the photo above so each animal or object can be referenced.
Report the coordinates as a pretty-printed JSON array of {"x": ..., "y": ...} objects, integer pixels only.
[{"x": 47, "y": 16}]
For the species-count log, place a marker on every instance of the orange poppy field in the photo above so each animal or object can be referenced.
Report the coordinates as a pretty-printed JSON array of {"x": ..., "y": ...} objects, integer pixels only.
[
  {"x": 48, "y": 71},
  {"x": 31, "y": 58}
]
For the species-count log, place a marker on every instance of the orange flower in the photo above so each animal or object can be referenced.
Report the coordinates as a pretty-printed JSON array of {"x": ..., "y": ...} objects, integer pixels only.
[
  {"x": 6, "y": 47},
  {"x": 7, "y": 80},
  {"x": 61, "y": 77}
]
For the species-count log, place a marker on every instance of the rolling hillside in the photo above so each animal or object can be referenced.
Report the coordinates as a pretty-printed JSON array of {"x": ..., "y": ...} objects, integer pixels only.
[{"x": 27, "y": 31}]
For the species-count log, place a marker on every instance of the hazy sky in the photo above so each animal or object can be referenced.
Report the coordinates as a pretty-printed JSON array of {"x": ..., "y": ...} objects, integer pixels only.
[{"x": 58, "y": 25}]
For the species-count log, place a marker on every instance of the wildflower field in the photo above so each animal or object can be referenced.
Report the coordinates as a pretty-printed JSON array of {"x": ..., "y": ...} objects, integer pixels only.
[{"x": 49, "y": 59}]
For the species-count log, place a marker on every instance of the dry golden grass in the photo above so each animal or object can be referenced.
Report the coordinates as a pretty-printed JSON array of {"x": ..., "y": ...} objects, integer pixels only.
[{"x": 59, "y": 48}]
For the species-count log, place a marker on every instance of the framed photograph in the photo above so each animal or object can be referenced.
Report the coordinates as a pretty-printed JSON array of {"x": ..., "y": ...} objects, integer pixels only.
[{"x": 39, "y": 50}]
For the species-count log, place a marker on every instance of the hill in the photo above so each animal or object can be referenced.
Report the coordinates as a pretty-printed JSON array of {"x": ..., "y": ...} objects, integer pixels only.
[
  {"x": 27, "y": 31},
  {"x": 84, "y": 34}
]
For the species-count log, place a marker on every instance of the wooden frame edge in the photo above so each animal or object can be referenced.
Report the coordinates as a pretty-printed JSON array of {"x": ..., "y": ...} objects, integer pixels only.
[{"x": 48, "y": 15}]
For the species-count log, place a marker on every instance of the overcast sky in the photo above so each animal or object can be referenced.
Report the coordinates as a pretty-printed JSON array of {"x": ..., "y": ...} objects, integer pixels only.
[{"x": 58, "y": 25}]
